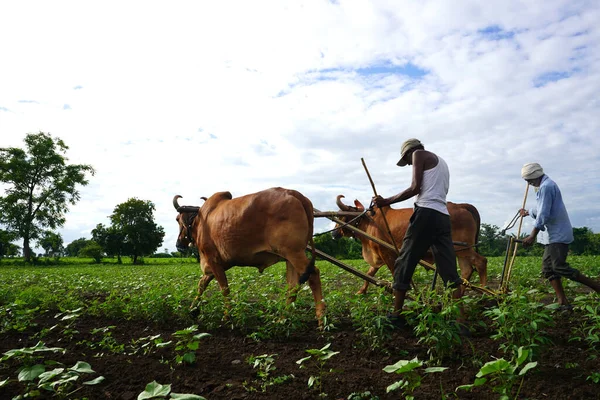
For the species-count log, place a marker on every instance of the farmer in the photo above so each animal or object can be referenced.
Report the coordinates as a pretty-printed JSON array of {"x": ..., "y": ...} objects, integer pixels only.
[
  {"x": 429, "y": 225},
  {"x": 552, "y": 220}
]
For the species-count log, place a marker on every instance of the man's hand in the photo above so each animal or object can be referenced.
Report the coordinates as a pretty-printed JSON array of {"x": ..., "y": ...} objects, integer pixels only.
[
  {"x": 379, "y": 201},
  {"x": 523, "y": 212},
  {"x": 528, "y": 241}
]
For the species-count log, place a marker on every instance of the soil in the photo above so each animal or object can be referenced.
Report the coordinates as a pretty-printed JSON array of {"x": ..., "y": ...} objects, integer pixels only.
[{"x": 222, "y": 372}]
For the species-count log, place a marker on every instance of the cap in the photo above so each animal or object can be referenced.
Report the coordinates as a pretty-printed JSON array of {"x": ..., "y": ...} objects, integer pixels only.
[{"x": 406, "y": 147}]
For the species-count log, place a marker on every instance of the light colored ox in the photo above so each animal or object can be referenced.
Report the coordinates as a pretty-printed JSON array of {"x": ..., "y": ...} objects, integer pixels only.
[
  {"x": 257, "y": 230},
  {"x": 464, "y": 219}
]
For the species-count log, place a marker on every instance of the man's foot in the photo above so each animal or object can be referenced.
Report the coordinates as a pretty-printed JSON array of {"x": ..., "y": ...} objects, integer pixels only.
[
  {"x": 397, "y": 321},
  {"x": 564, "y": 308},
  {"x": 463, "y": 330}
]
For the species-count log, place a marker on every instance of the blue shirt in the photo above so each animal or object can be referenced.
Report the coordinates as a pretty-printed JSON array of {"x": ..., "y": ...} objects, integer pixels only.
[{"x": 550, "y": 214}]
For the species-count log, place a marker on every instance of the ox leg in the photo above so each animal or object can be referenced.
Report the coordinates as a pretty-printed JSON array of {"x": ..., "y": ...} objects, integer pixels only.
[
  {"x": 371, "y": 272},
  {"x": 292, "y": 278},
  {"x": 219, "y": 274},
  {"x": 466, "y": 269},
  {"x": 202, "y": 284},
  {"x": 480, "y": 263},
  {"x": 299, "y": 264}
]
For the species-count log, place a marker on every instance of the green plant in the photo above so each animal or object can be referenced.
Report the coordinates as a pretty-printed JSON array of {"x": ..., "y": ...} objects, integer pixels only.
[
  {"x": 67, "y": 322},
  {"x": 155, "y": 390},
  {"x": 589, "y": 328},
  {"x": 146, "y": 344},
  {"x": 502, "y": 375},
  {"x": 107, "y": 341},
  {"x": 369, "y": 317},
  {"x": 266, "y": 365},
  {"x": 29, "y": 355},
  {"x": 17, "y": 317},
  {"x": 411, "y": 378},
  {"x": 519, "y": 322},
  {"x": 318, "y": 358},
  {"x": 59, "y": 380},
  {"x": 187, "y": 344},
  {"x": 434, "y": 317},
  {"x": 362, "y": 396},
  {"x": 594, "y": 377}
]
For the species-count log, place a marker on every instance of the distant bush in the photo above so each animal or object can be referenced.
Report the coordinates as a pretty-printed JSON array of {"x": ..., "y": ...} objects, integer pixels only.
[
  {"x": 161, "y": 255},
  {"x": 93, "y": 250}
]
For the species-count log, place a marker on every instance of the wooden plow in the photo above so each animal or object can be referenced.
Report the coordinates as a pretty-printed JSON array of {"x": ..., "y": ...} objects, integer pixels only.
[
  {"x": 511, "y": 252},
  {"x": 511, "y": 248}
]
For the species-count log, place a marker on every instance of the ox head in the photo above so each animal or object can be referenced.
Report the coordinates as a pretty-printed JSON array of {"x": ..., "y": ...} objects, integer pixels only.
[
  {"x": 185, "y": 219},
  {"x": 340, "y": 229}
]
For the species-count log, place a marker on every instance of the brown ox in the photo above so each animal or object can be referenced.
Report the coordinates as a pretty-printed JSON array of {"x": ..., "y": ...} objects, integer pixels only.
[
  {"x": 256, "y": 230},
  {"x": 464, "y": 219}
]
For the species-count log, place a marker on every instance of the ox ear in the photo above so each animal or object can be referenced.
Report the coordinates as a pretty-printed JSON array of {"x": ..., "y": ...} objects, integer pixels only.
[{"x": 359, "y": 205}]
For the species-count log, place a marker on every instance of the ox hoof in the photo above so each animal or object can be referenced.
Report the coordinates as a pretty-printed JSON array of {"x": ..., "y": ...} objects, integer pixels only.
[{"x": 194, "y": 312}]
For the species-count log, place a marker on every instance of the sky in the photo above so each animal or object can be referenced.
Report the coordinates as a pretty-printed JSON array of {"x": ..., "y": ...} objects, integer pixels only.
[{"x": 195, "y": 97}]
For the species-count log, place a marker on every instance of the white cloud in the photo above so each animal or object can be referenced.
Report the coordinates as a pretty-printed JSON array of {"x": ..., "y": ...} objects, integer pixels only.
[{"x": 192, "y": 98}]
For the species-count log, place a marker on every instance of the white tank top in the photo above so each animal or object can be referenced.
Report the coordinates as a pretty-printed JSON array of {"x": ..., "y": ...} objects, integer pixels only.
[{"x": 434, "y": 187}]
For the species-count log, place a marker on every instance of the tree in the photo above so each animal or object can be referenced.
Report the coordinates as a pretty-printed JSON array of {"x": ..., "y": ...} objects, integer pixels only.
[
  {"x": 492, "y": 243},
  {"x": 73, "y": 248},
  {"x": 111, "y": 239},
  {"x": 343, "y": 248},
  {"x": 40, "y": 186},
  {"x": 584, "y": 242},
  {"x": 7, "y": 248},
  {"x": 93, "y": 250},
  {"x": 52, "y": 243},
  {"x": 133, "y": 231}
]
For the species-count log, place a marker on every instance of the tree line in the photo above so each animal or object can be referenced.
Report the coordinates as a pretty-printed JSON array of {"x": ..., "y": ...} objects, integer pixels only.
[{"x": 40, "y": 185}]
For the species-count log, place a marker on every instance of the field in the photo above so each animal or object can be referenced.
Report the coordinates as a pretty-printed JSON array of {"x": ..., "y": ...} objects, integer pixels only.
[{"x": 80, "y": 330}]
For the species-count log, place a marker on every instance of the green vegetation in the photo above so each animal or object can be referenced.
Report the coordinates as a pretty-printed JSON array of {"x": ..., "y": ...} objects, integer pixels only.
[
  {"x": 161, "y": 290},
  {"x": 39, "y": 186}
]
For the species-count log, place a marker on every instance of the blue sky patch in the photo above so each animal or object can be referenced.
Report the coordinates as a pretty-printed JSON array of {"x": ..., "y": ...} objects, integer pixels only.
[
  {"x": 548, "y": 77},
  {"x": 409, "y": 69},
  {"x": 495, "y": 32}
]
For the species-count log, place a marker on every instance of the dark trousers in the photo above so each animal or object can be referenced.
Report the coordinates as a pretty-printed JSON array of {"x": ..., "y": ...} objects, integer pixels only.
[
  {"x": 554, "y": 262},
  {"x": 427, "y": 228}
]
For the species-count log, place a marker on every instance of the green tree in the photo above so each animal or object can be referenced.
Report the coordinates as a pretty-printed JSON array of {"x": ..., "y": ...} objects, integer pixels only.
[
  {"x": 40, "y": 186},
  {"x": 7, "y": 248},
  {"x": 111, "y": 239},
  {"x": 93, "y": 250},
  {"x": 132, "y": 222},
  {"x": 492, "y": 243},
  {"x": 52, "y": 243},
  {"x": 73, "y": 248},
  {"x": 342, "y": 248},
  {"x": 584, "y": 242}
]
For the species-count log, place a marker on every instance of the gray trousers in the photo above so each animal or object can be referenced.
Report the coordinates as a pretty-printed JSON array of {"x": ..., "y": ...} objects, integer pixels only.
[
  {"x": 554, "y": 262},
  {"x": 427, "y": 228}
]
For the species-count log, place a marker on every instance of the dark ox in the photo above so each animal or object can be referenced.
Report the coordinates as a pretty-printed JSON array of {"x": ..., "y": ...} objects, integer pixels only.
[
  {"x": 464, "y": 219},
  {"x": 257, "y": 230}
]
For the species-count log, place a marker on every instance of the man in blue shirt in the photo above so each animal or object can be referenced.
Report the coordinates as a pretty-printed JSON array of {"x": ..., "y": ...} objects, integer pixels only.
[{"x": 553, "y": 224}]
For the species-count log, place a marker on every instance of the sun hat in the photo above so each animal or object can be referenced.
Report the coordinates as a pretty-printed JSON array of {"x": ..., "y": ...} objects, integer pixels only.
[{"x": 406, "y": 147}]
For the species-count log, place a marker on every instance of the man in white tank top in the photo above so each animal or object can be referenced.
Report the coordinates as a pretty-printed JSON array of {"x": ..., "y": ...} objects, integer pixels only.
[{"x": 429, "y": 225}]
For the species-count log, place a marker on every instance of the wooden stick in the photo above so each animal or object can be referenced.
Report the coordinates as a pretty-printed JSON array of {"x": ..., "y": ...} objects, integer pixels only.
[
  {"x": 382, "y": 213},
  {"x": 514, "y": 250}
]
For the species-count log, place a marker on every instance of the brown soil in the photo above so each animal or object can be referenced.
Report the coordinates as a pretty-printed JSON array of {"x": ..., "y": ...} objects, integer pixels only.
[{"x": 222, "y": 372}]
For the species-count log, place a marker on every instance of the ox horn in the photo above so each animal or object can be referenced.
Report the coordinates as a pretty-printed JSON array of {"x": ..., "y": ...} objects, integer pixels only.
[
  {"x": 203, "y": 198},
  {"x": 175, "y": 203},
  {"x": 341, "y": 205}
]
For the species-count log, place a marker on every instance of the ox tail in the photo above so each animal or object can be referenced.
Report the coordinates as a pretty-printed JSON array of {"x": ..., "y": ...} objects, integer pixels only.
[
  {"x": 475, "y": 213},
  {"x": 310, "y": 268},
  {"x": 310, "y": 217}
]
